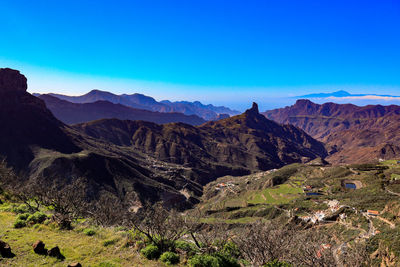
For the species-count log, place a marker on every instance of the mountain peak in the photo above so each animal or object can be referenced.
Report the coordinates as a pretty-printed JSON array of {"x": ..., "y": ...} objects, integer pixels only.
[
  {"x": 303, "y": 102},
  {"x": 253, "y": 109},
  {"x": 12, "y": 81}
]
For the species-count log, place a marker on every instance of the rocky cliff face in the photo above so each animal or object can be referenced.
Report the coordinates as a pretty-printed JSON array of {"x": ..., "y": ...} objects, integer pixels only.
[
  {"x": 12, "y": 81},
  {"x": 26, "y": 123}
]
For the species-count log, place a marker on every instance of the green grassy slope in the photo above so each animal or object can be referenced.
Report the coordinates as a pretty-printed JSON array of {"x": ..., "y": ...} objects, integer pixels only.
[{"x": 105, "y": 248}]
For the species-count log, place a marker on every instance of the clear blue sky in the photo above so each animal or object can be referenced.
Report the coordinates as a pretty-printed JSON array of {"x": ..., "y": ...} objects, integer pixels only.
[{"x": 229, "y": 51}]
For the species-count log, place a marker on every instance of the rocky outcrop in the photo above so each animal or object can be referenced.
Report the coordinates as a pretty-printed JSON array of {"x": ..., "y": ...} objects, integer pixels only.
[
  {"x": 5, "y": 250},
  {"x": 55, "y": 252},
  {"x": 39, "y": 248},
  {"x": 12, "y": 81}
]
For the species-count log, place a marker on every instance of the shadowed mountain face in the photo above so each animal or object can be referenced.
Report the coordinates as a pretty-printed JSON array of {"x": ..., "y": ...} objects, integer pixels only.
[
  {"x": 237, "y": 145},
  {"x": 72, "y": 113},
  {"x": 351, "y": 133},
  {"x": 139, "y": 101},
  {"x": 27, "y": 123}
]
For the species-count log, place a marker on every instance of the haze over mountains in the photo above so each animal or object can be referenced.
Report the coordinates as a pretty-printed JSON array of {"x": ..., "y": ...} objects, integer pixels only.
[
  {"x": 72, "y": 113},
  {"x": 139, "y": 101},
  {"x": 351, "y": 133},
  {"x": 138, "y": 161}
]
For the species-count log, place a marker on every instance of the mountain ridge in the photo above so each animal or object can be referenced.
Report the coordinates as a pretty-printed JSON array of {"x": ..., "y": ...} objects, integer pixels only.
[
  {"x": 72, "y": 113},
  {"x": 140, "y": 101}
]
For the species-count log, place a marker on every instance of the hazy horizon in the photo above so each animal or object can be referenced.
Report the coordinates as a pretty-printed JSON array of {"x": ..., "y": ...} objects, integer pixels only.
[{"x": 218, "y": 53}]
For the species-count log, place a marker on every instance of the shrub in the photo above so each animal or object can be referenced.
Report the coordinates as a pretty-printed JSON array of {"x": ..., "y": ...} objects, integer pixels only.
[
  {"x": 23, "y": 208},
  {"x": 19, "y": 224},
  {"x": 170, "y": 258},
  {"x": 23, "y": 216},
  {"x": 204, "y": 261},
  {"x": 89, "y": 232},
  {"x": 151, "y": 252},
  {"x": 37, "y": 217},
  {"x": 231, "y": 249},
  {"x": 226, "y": 260}
]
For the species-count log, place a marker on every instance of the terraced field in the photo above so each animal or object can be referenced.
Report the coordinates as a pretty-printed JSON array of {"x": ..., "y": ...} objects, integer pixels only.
[{"x": 280, "y": 194}]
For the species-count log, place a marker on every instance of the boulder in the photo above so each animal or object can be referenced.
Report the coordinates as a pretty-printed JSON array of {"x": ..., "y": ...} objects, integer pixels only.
[
  {"x": 5, "y": 250},
  {"x": 55, "y": 252},
  {"x": 38, "y": 248},
  {"x": 12, "y": 81},
  {"x": 75, "y": 264}
]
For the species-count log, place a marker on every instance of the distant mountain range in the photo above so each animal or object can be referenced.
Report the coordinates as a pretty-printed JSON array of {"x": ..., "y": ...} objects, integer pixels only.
[
  {"x": 139, "y": 101},
  {"x": 351, "y": 133},
  {"x": 72, "y": 113},
  {"x": 344, "y": 94}
]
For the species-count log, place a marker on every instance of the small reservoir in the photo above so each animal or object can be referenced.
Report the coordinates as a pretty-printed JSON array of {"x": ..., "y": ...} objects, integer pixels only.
[
  {"x": 350, "y": 186},
  {"x": 313, "y": 194}
]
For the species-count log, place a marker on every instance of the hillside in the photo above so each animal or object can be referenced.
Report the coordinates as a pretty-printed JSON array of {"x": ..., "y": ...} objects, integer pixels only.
[
  {"x": 351, "y": 133},
  {"x": 45, "y": 152},
  {"x": 317, "y": 199},
  {"x": 237, "y": 145},
  {"x": 139, "y": 101},
  {"x": 72, "y": 113}
]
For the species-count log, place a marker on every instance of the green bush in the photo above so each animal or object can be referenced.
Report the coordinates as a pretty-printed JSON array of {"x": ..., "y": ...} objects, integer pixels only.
[
  {"x": 204, "y": 261},
  {"x": 151, "y": 252},
  {"x": 230, "y": 248},
  {"x": 169, "y": 258},
  {"x": 23, "y": 208},
  {"x": 89, "y": 232},
  {"x": 37, "y": 217},
  {"x": 23, "y": 216},
  {"x": 226, "y": 260},
  {"x": 19, "y": 224}
]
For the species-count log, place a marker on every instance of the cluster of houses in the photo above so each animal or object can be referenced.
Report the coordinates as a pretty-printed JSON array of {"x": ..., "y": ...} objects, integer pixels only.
[
  {"x": 334, "y": 206},
  {"x": 224, "y": 185},
  {"x": 320, "y": 215}
]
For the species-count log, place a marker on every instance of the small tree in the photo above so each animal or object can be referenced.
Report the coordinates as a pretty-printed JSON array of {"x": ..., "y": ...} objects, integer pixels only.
[
  {"x": 160, "y": 226},
  {"x": 261, "y": 243}
]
